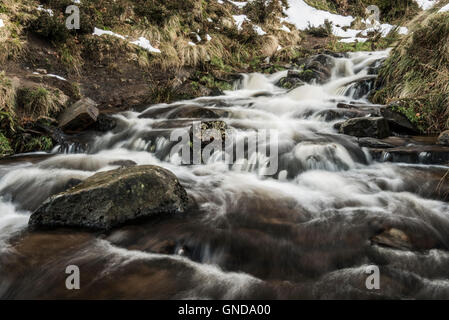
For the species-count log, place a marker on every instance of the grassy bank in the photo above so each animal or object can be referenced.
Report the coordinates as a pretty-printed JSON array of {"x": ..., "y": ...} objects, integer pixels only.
[{"x": 415, "y": 77}]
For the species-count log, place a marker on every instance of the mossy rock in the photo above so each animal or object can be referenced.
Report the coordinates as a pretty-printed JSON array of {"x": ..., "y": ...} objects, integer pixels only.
[{"x": 112, "y": 198}]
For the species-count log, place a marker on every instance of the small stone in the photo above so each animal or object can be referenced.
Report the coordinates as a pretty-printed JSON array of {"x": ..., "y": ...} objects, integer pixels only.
[{"x": 443, "y": 139}]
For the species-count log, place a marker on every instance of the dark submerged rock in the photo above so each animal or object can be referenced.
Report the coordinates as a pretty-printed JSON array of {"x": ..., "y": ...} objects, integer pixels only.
[{"x": 109, "y": 199}]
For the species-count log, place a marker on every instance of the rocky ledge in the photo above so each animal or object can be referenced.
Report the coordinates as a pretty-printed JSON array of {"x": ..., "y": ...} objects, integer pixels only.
[{"x": 113, "y": 198}]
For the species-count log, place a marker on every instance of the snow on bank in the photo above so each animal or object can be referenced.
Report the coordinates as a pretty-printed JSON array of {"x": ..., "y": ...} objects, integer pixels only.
[
  {"x": 241, "y": 5},
  {"x": 56, "y": 76},
  {"x": 426, "y": 4},
  {"x": 302, "y": 16},
  {"x": 240, "y": 19},
  {"x": 141, "y": 42},
  {"x": 1, "y": 23},
  {"x": 145, "y": 44},
  {"x": 444, "y": 9},
  {"x": 49, "y": 11},
  {"x": 100, "y": 32}
]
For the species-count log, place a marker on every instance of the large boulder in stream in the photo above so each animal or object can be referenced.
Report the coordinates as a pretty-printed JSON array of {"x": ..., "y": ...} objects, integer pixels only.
[
  {"x": 376, "y": 127},
  {"x": 112, "y": 198}
]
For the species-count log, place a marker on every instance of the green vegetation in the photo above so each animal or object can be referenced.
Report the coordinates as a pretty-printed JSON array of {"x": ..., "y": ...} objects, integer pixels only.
[
  {"x": 5, "y": 147},
  {"x": 415, "y": 76}
]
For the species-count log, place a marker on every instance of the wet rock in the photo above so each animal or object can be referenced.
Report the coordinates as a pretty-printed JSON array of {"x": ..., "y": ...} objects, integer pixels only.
[
  {"x": 105, "y": 123},
  {"x": 156, "y": 112},
  {"x": 112, "y": 198},
  {"x": 69, "y": 143},
  {"x": 415, "y": 154},
  {"x": 79, "y": 116},
  {"x": 334, "y": 114},
  {"x": 318, "y": 68},
  {"x": 209, "y": 131},
  {"x": 376, "y": 127},
  {"x": 369, "y": 109},
  {"x": 398, "y": 122},
  {"x": 292, "y": 81},
  {"x": 193, "y": 112},
  {"x": 72, "y": 183},
  {"x": 216, "y": 92},
  {"x": 360, "y": 88},
  {"x": 393, "y": 238},
  {"x": 123, "y": 163},
  {"x": 374, "y": 143},
  {"x": 443, "y": 138}
]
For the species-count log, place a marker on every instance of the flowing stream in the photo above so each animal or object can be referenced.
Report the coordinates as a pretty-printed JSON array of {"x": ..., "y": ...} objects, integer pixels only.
[{"x": 302, "y": 233}]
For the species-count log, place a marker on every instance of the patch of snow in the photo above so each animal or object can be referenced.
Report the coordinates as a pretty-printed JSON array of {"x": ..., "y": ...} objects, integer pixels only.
[
  {"x": 76, "y": 1},
  {"x": 259, "y": 30},
  {"x": 444, "y": 9},
  {"x": 241, "y": 5},
  {"x": 210, "y": 20},
  {"x": 198, "y": 38},
  {"x": 426, "y": 4},
  {"x": 208, "y": 37},
  {"x": 141, "y": 42},
  {"x": 100, "y": 32},
  {"x": 302, "y": 15},
  {"x": 239, "y": 20},
  {"x": 56, "y": 76},
  {"x": 385, "y": 29},
  {"x": 353, "y": 39},
  {"x": 286, "y": 29},
  {"x": 191, "y": 44},
  {"x": 279, "y": 48},
  {"x": 145, "y": 43},
  {"x": 1, "y": 23},
  {"x": 49, "y": 11}
]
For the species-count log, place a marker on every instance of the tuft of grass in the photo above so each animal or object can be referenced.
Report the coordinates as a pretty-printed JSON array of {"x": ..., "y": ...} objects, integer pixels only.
[
  {"x": 7, "y": 95},
  {"x": 415, "y": 76},
  {"x": 324, "y": 30},
  {"x": 38, "y": 102},
  {"x": 325, "y": 5}
]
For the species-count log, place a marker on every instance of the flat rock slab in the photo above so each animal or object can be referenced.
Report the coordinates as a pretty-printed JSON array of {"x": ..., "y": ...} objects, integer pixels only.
[
  {"x": 376, "y": 127},
  {"x": 112, "y": 198},
  {"x": 432, "y": 154}
]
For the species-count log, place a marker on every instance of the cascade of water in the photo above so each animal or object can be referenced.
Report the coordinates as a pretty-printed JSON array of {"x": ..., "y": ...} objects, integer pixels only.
[{"x": 321, "y": 175}]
